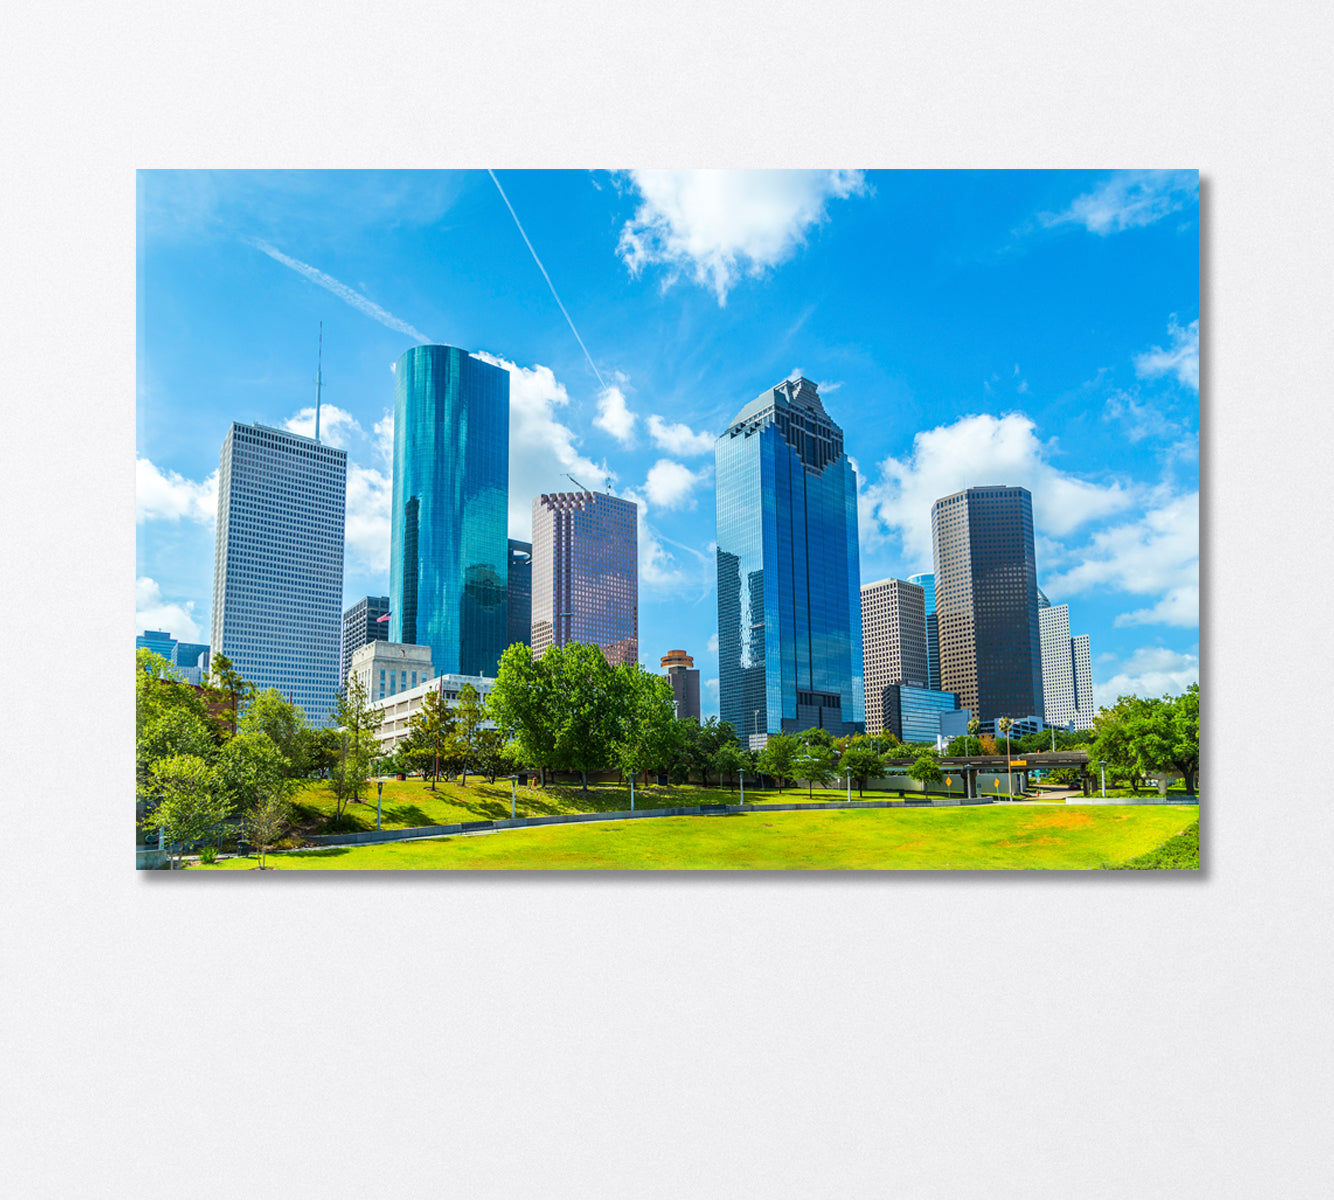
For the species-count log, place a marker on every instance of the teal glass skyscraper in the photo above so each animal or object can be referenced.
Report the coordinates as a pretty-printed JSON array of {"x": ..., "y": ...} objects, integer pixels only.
[
  {"x": 927, "y": 582},
  {"x": 789, "y": 582},
  {"x": 449, "y": 552}
]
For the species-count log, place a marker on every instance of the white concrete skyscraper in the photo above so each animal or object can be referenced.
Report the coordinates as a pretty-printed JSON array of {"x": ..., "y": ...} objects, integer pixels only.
[
  {"x": 278, "y": 567},
  {"x": 1067, "y": 674}
]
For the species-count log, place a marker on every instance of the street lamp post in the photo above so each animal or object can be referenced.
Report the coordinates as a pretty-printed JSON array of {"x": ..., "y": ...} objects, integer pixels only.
[
  {"x": 1102, "y": 770},
  {"x": 849, "y": 774},
  {"x": 379, "y": 794},
  {"x": 1004, "y": 726},
  {"x": 741, "y": 774},
  {"x": 513, "y": 784}
]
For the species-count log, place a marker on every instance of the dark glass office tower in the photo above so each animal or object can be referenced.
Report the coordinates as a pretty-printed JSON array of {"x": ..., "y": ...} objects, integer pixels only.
[
  {"x": 789, "y": 583},
  {"x": 362, "y": 624},
  {"x": 449, "y": 553},
  {"x": 519, "y": 621},
  {"x": 927, "y": 582},
  {"x": 986, "y": 601}
]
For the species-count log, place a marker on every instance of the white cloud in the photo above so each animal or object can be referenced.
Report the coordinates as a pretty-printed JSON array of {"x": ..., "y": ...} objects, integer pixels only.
[
  {"x": 711, "y": 686},
  {"x": 973, "y": 452},
  {"x": 367, "y": 529},
  {"x": 1128, "y": 200},
  {"x": 384, "y": 437},
  {"x": 1141, "y": 420},
  {"x": 348, "y": 295},
  {"x": 166, "y": 496},
  {"x": 1156, "y": 555},
  {"x": 1181, "y": 358},
  {"x": 662, "y": 571},
  {"x": 670, "y": 484},
  {"x": 151, "y": 611},
  {"x": 1149, "y": 671},
  {"x": 678, "y": 439},
  {"x": 336, "y": 425},
  {"x": 713, "y": 643},
  {"x": 615, "y": 416},
  {"x": 717, "y": 226},
  {"x": 541, "y": 448}
]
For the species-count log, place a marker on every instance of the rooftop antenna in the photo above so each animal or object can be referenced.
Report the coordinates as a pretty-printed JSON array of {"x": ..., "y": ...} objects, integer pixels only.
[
  {"x": 577, "y": 484},
  {"x": 319, "y": 381}
]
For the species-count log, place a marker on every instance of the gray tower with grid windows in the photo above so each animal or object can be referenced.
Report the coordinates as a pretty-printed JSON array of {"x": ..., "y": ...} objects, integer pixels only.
[{"x": 278, "y": 563}]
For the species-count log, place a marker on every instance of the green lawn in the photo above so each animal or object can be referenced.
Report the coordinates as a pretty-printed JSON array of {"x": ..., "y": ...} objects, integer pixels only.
[
  {"x": 994, "y": 837},
  {"x": 410, "y": 803}
]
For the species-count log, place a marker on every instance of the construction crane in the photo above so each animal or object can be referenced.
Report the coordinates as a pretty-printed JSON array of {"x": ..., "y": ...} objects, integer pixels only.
[{"x": 577, "y": 484}]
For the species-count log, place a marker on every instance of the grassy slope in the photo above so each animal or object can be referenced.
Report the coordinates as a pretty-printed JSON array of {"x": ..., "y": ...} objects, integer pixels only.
[
  {"x": 411, "y": 802},
  {"x": 1178, "y": 853},
  {"x": 990, "y": 838}
]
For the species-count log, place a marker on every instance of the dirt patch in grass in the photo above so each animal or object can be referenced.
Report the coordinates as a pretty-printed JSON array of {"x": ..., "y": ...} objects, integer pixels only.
[{"x": 1059, "y": 820}]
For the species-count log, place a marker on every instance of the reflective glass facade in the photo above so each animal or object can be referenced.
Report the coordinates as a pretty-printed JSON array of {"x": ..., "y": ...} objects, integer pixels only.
[
  {"x": 987, "y": 601},
  {"x": 789, "y": 584},
  {"x": 278, "y": 565},
  {"x": 586, "y": 574},
  {"x": 449, "y": 550},
  {"x": 913, "y": 714},
  {"x": 519, "y": 621},
  {"x": 927, "y": 582}
]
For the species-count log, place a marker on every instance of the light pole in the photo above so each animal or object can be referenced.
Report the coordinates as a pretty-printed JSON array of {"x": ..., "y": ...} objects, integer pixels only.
[
  {"x": 513, "y": 784},
  {"x": 849, "y": 774},
  {"x": 741, "y": 774},
  {"x": 1004, "y": 726},
  {"x": 973, "y": 726},
  {"x": 379, "y": 794},
  {"x": 632, "y": 792},
  {"x": 1102, "y": 770}
]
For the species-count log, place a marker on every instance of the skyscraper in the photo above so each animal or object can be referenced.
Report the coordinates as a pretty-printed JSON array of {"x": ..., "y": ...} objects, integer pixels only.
[
  {"x": 449, "y": 549},
  {"x": 586, "y": 573},
  {"x": 519, "y": 603},
  {"x": 1067, "y": 674},
  {"x": 789, "y": 583},
  {"x": 986, "y": 601},
  {"x": 684, "y": 678},
  {"x": 927, "y": 582},
  {"x": 893, "y": 643},
  {"x": 278, "y": 567},
  {"x": 362, "y": 624}
]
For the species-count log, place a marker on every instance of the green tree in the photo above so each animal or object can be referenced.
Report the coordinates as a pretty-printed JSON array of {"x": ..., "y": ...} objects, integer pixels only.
[
  {"x": 862, "y": 763},
  {"x": 643, "y": 738},
  {"x": 170, "y": 716},
  {"x": 248, "y": 768},
  {"x": 469, "y": 715},
  {"x": 271, "y": 713},
  {"x": 357, "y": 723},
  {"x": 430, "y": 739},
  {"x": 491, "y": 755},
  {"x": 187, "y": 805},
  {"x": 588, "y": 721},
  {"x": 728, "y": 759},
  {"x": 778, "y": 757},
  {"x": 226, "y": 682},
  {"x": 815, "y": 761},
  {"x": 266, "y": 822},
  {"x": 926, "y": 769},
  {"x": 1116, "y": 738},
  {"x": 523, "y": 703}
]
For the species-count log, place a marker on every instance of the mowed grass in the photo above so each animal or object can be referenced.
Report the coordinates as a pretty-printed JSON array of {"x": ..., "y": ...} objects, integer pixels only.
[
  {"x": 1180, "y": 853},
  {"x": 410, "y": 803},
  {"x": 954, "y": 839}
]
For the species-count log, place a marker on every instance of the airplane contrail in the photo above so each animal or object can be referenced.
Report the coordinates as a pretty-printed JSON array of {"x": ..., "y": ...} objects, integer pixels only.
[{"x": 348, "y": 295}]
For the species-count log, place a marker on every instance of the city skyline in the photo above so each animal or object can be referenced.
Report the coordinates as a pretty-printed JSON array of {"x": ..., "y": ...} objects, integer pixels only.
[{"x": 1037, "y": 329}]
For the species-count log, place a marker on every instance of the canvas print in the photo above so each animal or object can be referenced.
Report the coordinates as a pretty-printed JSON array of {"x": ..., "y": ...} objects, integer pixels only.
[{"x": 666, "y": 520}]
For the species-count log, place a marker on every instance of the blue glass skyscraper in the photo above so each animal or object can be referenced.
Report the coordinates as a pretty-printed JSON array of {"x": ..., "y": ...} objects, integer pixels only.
[
  {"x": 789, "y": 582},
  {"x": 449, "y": 553},
  {"x": 927, "y": 582}
]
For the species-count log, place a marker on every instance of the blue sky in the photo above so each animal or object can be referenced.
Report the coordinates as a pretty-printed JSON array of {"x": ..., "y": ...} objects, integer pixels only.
[{"x": 966, "y": 328}]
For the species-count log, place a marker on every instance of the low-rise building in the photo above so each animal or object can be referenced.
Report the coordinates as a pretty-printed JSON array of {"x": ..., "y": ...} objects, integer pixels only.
[
  {"x": 387, "y": 668},
  {"x": 396, "y": 711}
]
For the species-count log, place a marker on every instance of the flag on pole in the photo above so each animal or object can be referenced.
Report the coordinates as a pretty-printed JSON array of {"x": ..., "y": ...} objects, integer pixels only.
[{"x": 383, "y": 619}]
